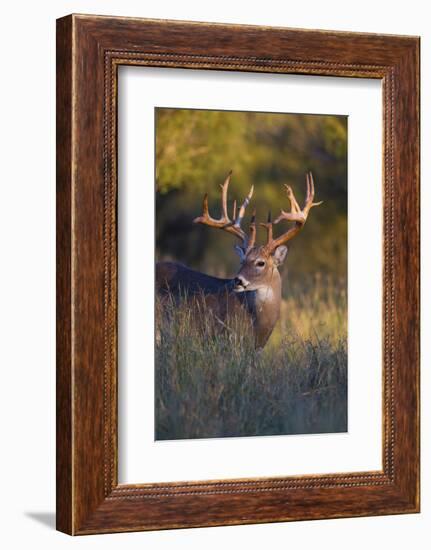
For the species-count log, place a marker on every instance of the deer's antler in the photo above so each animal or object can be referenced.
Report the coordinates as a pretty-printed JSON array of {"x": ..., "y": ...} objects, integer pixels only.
[
  {"x": 224, "y": 222},
  {"x": 295, "y": 215}
]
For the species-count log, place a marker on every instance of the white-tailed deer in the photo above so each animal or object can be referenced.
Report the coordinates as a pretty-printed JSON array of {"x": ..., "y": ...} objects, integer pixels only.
[{"x": 257, "y": 285}]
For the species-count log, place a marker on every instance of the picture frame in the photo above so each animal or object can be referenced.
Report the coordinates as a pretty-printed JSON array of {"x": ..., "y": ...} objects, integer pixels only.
[{"x": 89, "y": 51}]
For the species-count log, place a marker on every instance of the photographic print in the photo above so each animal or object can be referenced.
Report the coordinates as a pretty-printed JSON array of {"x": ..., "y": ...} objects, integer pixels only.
[{"x": 251, "y": 274}]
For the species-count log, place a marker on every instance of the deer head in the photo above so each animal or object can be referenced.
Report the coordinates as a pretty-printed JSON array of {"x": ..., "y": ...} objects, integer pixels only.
[{"x": 258, "y": 262}]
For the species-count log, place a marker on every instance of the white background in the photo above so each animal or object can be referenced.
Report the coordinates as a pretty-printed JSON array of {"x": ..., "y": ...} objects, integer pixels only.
[
  {"x": 27, "y": 122},
  {"x": 141, "y": 458}
]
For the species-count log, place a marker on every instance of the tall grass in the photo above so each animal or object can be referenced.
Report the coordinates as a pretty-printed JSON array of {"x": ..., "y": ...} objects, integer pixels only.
[{"x": 211, "y": 382}]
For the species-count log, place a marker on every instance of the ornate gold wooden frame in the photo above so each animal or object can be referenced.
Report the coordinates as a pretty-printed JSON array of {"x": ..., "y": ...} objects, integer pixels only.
[{"x": 89, "y": 51}]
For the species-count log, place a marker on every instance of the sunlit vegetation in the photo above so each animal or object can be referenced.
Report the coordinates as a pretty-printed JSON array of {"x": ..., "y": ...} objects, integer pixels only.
[{"x": 210, "y": 381}]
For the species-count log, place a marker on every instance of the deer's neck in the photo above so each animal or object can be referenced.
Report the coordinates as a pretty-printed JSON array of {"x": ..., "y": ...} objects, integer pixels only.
[{"x": 266, "y": 308}]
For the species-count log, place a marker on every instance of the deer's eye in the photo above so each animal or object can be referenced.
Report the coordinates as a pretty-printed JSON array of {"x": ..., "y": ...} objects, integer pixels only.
[{"x": 260, "y": 263}]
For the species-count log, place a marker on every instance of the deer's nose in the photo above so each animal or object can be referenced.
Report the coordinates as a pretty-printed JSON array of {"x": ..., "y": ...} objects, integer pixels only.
[{"x": 240, "y": 281}]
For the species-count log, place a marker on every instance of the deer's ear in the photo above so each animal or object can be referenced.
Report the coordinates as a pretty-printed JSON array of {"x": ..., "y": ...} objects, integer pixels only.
[
  {"x": 280, "y": 255},
  {"x": 240, "y": 251}
]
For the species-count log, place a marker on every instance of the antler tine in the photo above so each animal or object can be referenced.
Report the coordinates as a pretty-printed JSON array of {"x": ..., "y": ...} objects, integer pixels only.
[
  {"x": 294, "y": 206},
  {"x": 295, "y": 215},
  {"x": 244, "y": 205},
  {"x": 205, "y": 210},
  {"x": 269, "y": 227},
  {"x": 309, "y": 195},
  {"x": 234, "y": 210},
  {"x": 225, "y": 188},
  {"x": 252, "y": 230},
  {"x": 310, "y": 176}
]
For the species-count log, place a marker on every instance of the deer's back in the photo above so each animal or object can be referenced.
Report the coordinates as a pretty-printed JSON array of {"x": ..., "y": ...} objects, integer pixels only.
[{"x": 177, "y": 280}]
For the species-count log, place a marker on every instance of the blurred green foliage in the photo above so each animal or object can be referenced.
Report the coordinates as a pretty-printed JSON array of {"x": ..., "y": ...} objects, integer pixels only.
[{"x": 195, "y": 149}]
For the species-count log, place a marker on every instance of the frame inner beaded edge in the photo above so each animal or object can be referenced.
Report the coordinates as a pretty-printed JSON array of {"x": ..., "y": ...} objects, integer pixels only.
[{"x": 354, "y": 479}]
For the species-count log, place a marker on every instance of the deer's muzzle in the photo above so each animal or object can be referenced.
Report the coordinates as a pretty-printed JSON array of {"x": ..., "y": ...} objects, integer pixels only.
[{"x": 240, "y": 284}]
